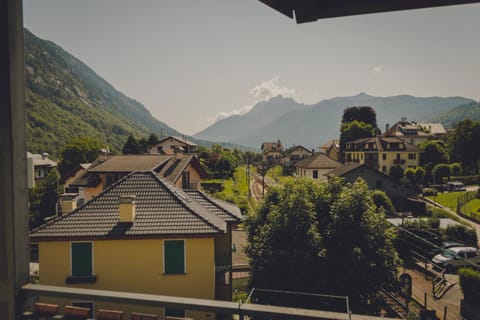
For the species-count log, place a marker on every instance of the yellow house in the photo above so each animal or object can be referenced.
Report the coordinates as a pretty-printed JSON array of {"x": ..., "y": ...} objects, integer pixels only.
[
  {"x": 144, "y": 235},
  {"x": 383, "y": 153}
]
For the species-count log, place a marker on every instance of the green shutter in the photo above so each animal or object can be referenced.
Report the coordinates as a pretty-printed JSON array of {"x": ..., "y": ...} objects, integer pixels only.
[
  {"x": 174, "y": 256},
  {"x": 82, "y": 259}
]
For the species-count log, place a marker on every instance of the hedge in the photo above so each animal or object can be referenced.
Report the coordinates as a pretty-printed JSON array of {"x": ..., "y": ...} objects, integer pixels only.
[{"x": 470, "y": 284}]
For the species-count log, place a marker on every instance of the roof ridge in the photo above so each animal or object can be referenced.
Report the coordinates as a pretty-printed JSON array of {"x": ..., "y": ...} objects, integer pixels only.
[
  {"x": 89, "y": 202},
  {"x": 170, "y": 186},
  {"x": 216, "y": 201}
]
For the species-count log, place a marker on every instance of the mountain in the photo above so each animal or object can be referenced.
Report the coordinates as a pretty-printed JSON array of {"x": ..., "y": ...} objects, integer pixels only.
[
  {"x": 451, "y": 117},
  {"x": 65, "y": 98},
  {"x": 313, "y": 125},
  {"x": 235, "y": 127}
]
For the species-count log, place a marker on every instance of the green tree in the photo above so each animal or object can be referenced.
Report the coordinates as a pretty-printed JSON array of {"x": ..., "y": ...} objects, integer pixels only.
[
  {"x": 382, "y": 201},
  {"x": 456, "y": 169},
  {"x": 132, "y": 146},
  {"x": 152, "y": 140},
  {"x": 463, "y": 145},
  {"x": 419, "y": 175},
  {"x": 79, "y": 150},
  {"x": 324, "y": 238},
  {"x": 434, "y": 151},
  {"x": 363, "y": 114},
  {"x": 396, "y": 172},
  {"x": 440, "y": 171},
  {"x": 43, "y": 198},
  {"x": 409, "y": 173}
]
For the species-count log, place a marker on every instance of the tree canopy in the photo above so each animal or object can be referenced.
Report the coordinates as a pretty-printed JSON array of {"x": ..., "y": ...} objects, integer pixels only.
[
  {"x": 326, "y": 238},
  {"x": 463, "y": 145},
  {"x": 79, "y": 150},
  {"x": 364, "y": 114}
]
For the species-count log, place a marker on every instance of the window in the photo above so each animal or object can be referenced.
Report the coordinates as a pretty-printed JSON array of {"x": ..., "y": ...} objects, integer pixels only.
[
  {"x": 384, "y": 156},
  {"x": 384, "y": 168},
  {"x": 315, "y": 174},
  {"x": 412, "y": 156},
  {"x": 81, "y": 263},
  {"x": 398, "y": 156},
  {"x": 174, "y": 256},
  {"x": 82, "y": 259},
  {"x": 177, "y": 313}
]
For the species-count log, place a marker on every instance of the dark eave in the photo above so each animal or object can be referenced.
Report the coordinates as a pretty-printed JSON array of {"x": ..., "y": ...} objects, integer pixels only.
[{"x": 312, "y": 10}]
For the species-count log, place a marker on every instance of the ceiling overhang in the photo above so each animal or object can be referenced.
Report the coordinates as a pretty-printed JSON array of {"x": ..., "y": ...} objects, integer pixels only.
[{"x": 312, "y": 10}]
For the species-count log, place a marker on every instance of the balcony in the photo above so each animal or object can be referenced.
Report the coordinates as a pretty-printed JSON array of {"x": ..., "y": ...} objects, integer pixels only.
[
  {"x": 210, "y": 306},
  {"x": 399, "y": 161}
]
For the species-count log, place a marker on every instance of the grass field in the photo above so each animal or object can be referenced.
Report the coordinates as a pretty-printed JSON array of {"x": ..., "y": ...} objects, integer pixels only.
[
  {"x": 472, "y": 209},
  {"x": 447, "y": 199}
]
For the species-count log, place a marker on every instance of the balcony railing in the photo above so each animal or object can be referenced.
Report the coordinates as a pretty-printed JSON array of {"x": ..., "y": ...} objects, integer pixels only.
[{"x": 214, "y": 306}]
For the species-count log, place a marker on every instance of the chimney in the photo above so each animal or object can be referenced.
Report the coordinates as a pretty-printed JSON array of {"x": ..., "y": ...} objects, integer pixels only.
[
  {"x": 127, "y": 208},
  {"x": 387, "y": 126},
  {"x": 68, "y": 202},
  {"x": 313, "y": 151},
  {"x": 44, "y": 155}
]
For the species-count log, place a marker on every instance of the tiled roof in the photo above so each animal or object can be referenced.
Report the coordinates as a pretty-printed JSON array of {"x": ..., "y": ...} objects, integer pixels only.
[
  {"x": 223, "y": 209},
  {"x": 172, "y": 170},
  {"x": 434, "y": 128},
  {"x": 319, "y": 160},
  {"x": 130, "y": 163},
  {"x": 161, "y": 210},
  {"x": 180, "y": 139},
  {"x": 272, "y": 146},
  {"x": 381, "y": 145},
  {"x": 340, "y": 171},
  {"x": 291, "y": 149},
  {"x": 41, "y": 160}
]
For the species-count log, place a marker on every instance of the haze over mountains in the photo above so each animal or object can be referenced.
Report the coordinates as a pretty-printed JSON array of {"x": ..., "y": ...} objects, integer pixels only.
[
  {"x": 65, "y": 98},
  {"x": 312, "y": 125}
]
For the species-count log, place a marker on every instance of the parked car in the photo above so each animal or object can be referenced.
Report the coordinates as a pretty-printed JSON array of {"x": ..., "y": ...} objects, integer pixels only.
[
  {"x": 455, "y": 186},
  {"x": 457, "y": 257}
]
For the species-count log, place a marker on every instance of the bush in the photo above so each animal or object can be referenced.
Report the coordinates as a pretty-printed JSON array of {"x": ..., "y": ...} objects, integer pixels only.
[
  {"x": 470, "y": 284},
  {"x": 381, "y": 200},
  {"x": 462, "y": 233},
  {"x": 429, "y": 192},
  {"x": 467, "y": 180}
]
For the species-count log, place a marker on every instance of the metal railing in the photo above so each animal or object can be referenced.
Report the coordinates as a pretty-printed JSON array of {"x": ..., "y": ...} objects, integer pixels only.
[{"x": 214, "y": 306}]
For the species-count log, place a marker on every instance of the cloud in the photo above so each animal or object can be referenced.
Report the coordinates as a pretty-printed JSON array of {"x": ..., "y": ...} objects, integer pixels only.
[
  {"x": 240, "y": 111},
  {"x": 269, "y": 89},
  {"x": 376, "y": 70},
  {"x": 261, "y": 92}
]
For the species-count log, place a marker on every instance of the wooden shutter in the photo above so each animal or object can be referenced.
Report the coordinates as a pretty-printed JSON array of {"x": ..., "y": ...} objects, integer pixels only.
[
  {"x": 82, "y": 259},
  {"x": 174, "y": 256}
]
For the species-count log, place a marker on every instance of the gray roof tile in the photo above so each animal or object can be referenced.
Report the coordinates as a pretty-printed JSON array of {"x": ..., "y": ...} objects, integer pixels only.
[{"x": 161, "y": 210}]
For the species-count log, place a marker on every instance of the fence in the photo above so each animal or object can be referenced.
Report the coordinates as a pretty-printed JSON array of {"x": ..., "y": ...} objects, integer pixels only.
[{"x": 464, "y": 209}]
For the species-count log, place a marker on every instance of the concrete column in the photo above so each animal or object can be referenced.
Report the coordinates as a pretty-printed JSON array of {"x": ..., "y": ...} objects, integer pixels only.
[{"x": 13, "y": 170}]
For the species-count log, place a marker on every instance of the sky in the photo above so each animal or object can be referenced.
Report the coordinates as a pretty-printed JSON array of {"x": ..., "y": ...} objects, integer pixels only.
[{"x": 193, "y": 62}]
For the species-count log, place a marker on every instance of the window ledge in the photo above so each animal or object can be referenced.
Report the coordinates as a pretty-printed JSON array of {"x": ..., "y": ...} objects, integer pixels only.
[
  {"x": 80, "y": 279},
  {"x": 174, "y": 274}
]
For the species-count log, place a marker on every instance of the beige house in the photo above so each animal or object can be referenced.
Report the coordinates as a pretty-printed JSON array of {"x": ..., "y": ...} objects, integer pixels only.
[
  {"x": 415, "y": 132},
  {"x": 383, "y": 153},
  {"x": 331, "y": 149},
  {"x": 38, "y": 167},
  {"x": 182, "y": 170},
  {"x": 315, "y": 167},
  {"x": 172, "y": 145},
  {"x": 294, "y": 154},
  {"x": 272, "y": 152}
]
